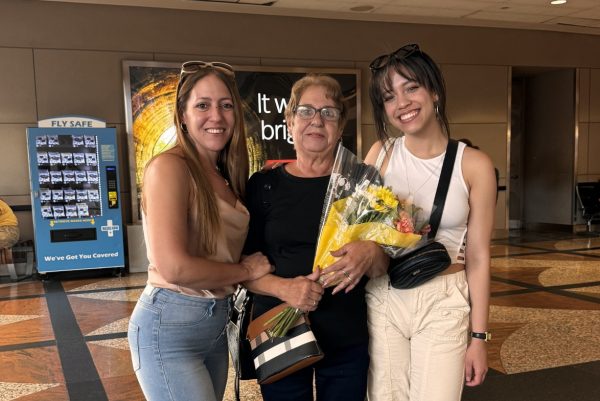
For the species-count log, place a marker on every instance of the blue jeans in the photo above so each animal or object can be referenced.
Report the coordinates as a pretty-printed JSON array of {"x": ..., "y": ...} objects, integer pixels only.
[
  {"x": 178, "y": 346},
  {"x": 340, "y": 376}
]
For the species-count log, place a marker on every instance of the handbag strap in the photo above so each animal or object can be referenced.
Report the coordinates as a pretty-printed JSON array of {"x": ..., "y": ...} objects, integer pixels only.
[
  {"x": 442, "y": 188},
  {"x": 385, "y": 148},
  {"x": 241, "y": 298}
]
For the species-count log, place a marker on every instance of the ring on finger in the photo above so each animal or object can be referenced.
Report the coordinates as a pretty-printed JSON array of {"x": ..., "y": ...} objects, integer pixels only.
[
  {"x": 346, "y": 274},
  {"x": 314, "y": 303}
]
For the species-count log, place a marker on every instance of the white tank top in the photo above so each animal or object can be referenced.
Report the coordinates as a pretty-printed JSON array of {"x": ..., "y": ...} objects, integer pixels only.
[{"x": 408, "y": 176}]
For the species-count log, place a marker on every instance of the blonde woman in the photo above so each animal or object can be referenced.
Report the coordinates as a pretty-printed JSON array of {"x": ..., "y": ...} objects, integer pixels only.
[{"x": 195, "y": 226}]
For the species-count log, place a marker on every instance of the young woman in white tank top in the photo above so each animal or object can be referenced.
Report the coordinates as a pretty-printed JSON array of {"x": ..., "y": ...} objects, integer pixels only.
[{"x": 420, "y": 345}]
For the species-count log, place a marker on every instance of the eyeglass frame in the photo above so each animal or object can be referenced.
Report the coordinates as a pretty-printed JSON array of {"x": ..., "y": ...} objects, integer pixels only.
[
  {"x": 320, "y": 111},
  {"x": 403, "y": 52}
]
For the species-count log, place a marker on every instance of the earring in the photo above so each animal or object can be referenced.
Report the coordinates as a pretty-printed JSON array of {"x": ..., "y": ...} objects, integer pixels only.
[
  {"x": 183, "y": 128},
  {"x": 437, "y": 109}
]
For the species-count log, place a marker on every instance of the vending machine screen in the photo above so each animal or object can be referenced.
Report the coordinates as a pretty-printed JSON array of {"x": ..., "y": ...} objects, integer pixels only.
[{"x": 68, "y": 176}]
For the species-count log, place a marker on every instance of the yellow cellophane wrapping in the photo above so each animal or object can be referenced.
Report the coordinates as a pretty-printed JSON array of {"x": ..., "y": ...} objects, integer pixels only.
[{"x": 334, "y": 235}]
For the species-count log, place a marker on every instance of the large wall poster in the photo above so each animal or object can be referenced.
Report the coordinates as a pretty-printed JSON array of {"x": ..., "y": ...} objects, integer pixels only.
[{"x": 149, "y": 105}]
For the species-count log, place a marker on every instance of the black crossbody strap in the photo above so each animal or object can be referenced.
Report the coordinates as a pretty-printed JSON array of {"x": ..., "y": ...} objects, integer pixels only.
[{"x": 442, "y": 188}]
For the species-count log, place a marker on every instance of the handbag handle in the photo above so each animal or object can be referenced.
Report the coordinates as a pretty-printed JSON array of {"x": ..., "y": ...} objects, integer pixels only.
[{"x": 442, "y": 188}]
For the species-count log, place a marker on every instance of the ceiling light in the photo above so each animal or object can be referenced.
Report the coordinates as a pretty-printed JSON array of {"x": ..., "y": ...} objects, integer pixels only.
[{"x": 557, "y": 2}]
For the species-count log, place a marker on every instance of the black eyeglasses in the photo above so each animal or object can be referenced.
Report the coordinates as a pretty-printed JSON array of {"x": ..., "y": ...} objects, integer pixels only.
[
  {"x": 402, "y": 53},
  {"x": 306, "y": 112}
]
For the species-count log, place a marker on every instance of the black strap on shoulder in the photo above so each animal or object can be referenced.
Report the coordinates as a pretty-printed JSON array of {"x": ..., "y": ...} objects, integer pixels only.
[{"x": 442, "y": 188}]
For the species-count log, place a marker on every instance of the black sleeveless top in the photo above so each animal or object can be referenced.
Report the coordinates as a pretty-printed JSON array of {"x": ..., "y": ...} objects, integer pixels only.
[{"x": 285, "y": 212}]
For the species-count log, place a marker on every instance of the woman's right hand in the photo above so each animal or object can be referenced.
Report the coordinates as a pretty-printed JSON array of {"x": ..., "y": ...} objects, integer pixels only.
[
  {"x": 257, "y": 265},
  {"x": 303, "y": 292}
]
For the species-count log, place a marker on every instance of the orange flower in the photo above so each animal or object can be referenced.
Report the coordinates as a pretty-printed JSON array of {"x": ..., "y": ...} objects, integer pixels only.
[{"x": 405, "y": 223}]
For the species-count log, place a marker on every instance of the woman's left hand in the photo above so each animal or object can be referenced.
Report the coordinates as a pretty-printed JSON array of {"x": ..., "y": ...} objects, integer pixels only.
[
  {"x": 356, "y": 258},
  {"x": 476, "y": 363}
]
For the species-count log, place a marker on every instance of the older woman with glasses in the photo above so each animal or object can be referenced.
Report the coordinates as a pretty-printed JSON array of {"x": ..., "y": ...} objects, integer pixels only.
[
  {"x": 419, "y": 337},
  {"x": 195, "y": 226},
  {"x": 285, "y": 206}
]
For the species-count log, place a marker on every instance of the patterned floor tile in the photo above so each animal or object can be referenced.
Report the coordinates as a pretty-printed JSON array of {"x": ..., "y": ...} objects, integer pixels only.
[
  {"x": 547, "y": 338},
  {"x": 548, "y": 270},
  {"x": 24, "y": 321},
  {"x": 118, "y": 326},
  {"x": 111, "y": 360},
  {"x": 123, "y": 388},
  {"x": 92, "y": 314},
  {"x": 593, "y": 291},
  {"x": 595, "y": 252},
  {"x": 498, "y": 286},
  {"x": 31, "y": 366},
  {"x": 571, "y": 273},
  {"x": 119, "y": 295},
  {"x": 567, "y": 244},
  {"x": 26, "y": 288},
  {"x": 497, "y": 250},
  {"x": 545, "y": 300},
  {"x": 500, "y": 332},
  {"x": 57, "y": 393},
  {"x": 132, "y": 280}
]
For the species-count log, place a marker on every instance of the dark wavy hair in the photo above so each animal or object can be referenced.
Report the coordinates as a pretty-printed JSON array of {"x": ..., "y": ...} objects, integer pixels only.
[{"x": 417, "y": 66}]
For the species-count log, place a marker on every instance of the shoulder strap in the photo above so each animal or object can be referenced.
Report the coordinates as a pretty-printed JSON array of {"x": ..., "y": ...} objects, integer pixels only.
[
  {"x": 442, "y": 188},
  {"x": 385, "y": 147}
]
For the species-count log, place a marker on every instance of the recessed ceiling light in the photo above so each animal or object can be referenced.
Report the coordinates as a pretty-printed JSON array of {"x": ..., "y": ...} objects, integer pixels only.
[
  {"x": 362, "y": 8},
  {"x": 557, "y": 2}
]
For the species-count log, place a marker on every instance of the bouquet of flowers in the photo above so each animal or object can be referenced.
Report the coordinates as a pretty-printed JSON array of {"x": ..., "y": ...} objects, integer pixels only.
[{"x": 358, "y": 207}]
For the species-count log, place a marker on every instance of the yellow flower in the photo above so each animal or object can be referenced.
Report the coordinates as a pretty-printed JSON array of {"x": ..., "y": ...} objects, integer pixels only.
[{"x": 383, "y": 198}]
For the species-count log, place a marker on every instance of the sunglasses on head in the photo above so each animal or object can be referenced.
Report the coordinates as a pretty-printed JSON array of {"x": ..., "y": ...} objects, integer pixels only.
[
  {"x": 190, "y": 67},
  {"x": 400, "y": 54}
]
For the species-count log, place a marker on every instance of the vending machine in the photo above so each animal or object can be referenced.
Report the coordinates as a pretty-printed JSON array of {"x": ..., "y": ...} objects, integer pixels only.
[{"x": 74, "y": 176}]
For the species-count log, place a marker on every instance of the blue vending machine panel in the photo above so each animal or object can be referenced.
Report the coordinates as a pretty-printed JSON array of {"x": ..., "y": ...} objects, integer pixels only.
[{"x": 75, "y": 195}]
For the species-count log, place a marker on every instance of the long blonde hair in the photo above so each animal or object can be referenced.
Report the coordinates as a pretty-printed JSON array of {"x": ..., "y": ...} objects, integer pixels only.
[{"x": 232, "y": 160}]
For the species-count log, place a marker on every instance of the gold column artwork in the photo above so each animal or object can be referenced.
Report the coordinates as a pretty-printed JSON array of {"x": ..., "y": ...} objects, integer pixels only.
[{"x": 153, "y": 106}]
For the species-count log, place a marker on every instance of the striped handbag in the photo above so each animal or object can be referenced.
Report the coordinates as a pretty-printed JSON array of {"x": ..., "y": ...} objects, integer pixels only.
[{"x": 276, "y": 357}]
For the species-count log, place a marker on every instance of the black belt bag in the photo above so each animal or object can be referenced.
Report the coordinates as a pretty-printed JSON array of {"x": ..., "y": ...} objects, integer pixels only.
[{"x": 417, "y": 267}]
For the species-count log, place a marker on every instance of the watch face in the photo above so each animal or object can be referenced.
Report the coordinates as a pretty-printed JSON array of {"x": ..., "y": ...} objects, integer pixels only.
[{"x": 486, "y": 336}]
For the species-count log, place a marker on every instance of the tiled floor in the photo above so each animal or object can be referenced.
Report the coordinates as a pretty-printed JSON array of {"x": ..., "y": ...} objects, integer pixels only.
[{"x": 65, "y": 338}]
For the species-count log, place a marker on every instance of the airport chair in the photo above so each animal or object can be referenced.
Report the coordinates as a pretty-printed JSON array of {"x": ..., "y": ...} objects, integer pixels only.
[
  {"x": 588, "y": 195},
  {"x": 21, "y": 251}
]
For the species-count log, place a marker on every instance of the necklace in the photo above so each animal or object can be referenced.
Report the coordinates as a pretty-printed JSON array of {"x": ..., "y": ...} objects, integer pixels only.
[
  {"x": 411, "y": 194},
  {"x": 217, "y": 172}
]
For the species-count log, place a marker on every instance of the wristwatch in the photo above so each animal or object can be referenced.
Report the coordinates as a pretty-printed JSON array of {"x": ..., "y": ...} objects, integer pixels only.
[{"x": 485, "y": 336}]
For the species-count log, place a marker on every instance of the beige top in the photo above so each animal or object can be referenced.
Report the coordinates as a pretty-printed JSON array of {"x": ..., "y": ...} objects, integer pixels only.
[{"x": 231, "y": 238}]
